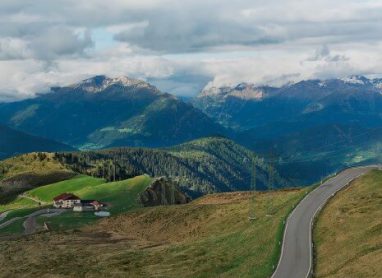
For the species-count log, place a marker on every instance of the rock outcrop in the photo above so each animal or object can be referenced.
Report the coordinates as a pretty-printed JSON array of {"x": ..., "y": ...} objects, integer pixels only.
[{"x": 163, "y": 191}]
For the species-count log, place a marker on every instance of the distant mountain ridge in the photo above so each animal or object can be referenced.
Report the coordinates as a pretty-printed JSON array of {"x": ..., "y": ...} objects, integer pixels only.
[
  {"x": 246, "y": 106},
  {"x": 104, "y": 112},
  {"x": 309, "y": 125},
  {"x": 314, "y": 127},
  {"x": 13, "y": 142}
]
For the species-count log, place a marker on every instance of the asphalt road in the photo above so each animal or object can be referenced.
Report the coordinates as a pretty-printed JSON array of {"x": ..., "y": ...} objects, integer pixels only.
[{"x": 296, "y": 254}]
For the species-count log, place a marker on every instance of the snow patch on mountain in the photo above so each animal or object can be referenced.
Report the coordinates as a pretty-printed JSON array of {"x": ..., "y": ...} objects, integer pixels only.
[
  {"x": 356, "y": 80},
  {"x": 245, "y": 91}
]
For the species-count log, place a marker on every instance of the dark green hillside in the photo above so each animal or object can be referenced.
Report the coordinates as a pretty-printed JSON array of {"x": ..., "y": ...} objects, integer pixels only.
[
  {"x": 201, "y": 166},
  {"x": 13, "y": 142}
]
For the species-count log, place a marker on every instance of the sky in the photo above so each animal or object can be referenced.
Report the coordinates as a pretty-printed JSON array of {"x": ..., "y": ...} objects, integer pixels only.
[{"x": 184, "y": 46}]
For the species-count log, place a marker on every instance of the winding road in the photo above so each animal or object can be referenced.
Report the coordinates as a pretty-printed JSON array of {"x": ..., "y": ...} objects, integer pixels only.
[
  {"x": 296, "y": 254},
  {"x": 30, "y": 223}
]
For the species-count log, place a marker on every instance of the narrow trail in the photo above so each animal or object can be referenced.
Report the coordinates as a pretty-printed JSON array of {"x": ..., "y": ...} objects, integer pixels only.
[
  {"x": 9, "y": 222},
  {"x": 30, "y": 224},
  {"x": 33, "y": 199}
]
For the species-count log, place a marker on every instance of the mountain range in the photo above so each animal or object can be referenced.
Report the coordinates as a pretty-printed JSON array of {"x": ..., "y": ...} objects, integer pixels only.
[
  {"x": 313, "y": 127},
  {"x": 307, "y": 129},
  {"x": 103, "y": 112}
]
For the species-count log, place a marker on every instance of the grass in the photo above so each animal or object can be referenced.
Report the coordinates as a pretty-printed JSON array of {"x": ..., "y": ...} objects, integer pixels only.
[
  {"x": 348, "y": 232},
  {"x": 210, "y": 237},
  {"x": 19, "y": 213},
  {"x": 32, "y": 162},
  {"x": 19, "y": 203},
  {"x": 48, "y": 192},
  {"x": 16, "y": 228},
  {"x": 68, "y": 220},
  {"x": 121, "y": 195}
]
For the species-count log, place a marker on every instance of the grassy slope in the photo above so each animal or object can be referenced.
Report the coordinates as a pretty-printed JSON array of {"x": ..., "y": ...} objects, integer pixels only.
[
  {"x": 48, "y": 192},
  {"x": 18, "y": 203},
  {"x": 120, "y": 196},
  {"x": 348, "y": 233},
  {"x": 210, "y": 237}
]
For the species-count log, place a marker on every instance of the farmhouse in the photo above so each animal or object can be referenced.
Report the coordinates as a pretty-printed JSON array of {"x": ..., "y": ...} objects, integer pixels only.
[
  {"x": 88, "y": 205},
  {"x": 66, "y": 200},
  {"x": 71, "y": 201}
]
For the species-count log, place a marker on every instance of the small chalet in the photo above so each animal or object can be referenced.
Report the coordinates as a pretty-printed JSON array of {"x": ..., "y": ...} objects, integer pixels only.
[
  {"x": 66, "y": 200},
  {"x": 88, "y": 205}
]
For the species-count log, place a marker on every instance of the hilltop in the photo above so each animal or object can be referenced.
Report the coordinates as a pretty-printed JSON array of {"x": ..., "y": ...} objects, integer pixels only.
[{"x": 24, "y": 172}]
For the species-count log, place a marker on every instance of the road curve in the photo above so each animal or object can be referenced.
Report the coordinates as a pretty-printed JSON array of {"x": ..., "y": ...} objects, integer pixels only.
[
  {"x": 296, "y": 253},
  {"x": 30, "y": 224}
]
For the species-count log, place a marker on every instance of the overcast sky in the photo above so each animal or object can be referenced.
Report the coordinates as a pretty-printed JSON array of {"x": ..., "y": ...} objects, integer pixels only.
[{"x": 182, "y": 46}]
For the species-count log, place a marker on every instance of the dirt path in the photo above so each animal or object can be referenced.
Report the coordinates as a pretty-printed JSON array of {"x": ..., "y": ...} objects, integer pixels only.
[
  {"x": 33, "y": 199},
  {"x": 30, "y": 225}
]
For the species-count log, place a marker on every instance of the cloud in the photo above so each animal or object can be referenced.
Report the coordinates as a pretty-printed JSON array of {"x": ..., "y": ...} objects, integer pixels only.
[
  {"x": 183, "y": 45},
  {"x": 324, "y": 54},
  {"x": 13, "y": 48},
  {"x": 60, "y": 41}
]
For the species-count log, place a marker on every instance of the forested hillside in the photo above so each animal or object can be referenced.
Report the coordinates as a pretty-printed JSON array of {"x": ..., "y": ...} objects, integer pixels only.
[{"x": 201, "y": 166}]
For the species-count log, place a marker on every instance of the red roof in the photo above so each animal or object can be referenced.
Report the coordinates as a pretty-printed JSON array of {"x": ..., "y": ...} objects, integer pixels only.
[
  {"x": 97, "y": 203},
  {"x": 66, "y": 196}
]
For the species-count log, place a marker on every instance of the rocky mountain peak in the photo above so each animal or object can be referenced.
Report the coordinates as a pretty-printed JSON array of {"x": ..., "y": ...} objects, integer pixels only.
[
  {"x": 356, "y": 80},
  {"x": 101, "y": 82}
]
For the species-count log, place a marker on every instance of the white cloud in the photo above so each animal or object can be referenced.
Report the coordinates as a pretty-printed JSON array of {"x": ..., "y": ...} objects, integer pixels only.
[{"x": 181, "y": 45}]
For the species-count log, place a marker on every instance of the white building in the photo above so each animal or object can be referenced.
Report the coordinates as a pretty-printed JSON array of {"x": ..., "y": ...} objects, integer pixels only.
[{"x": 66, "y": 200}]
